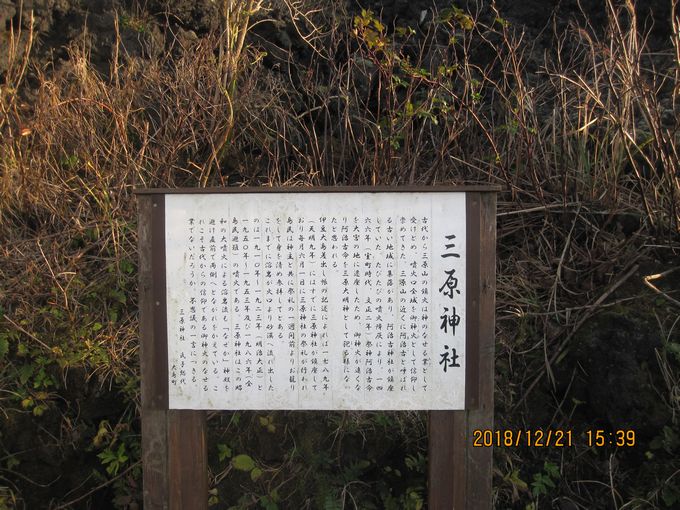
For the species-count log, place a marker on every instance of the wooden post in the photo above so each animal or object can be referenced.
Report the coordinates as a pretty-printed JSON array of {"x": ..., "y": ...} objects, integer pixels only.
[
  {"x": 460, "y": 475},
  {"x": 174, "y": 450}
]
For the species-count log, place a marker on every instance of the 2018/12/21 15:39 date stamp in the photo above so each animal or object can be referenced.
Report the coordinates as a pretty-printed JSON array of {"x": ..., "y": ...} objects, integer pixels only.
[{"x": 552, "y": 437}]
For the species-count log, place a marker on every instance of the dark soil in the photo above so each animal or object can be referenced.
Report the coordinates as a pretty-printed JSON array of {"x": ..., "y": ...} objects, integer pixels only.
[{"x": 60, "y": 22}]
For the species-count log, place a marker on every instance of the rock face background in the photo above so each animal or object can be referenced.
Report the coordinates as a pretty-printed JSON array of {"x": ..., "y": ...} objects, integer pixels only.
[
  {"x": 75, "y": 428},
  {"x": 57, "y": 22}
]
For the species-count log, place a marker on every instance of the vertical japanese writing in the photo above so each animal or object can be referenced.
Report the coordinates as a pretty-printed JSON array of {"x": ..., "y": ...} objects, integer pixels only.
[
  {"x": 227, "y": 352},
  {"x": 344, "y": 303},
  {"x": 450, "y": 319}
]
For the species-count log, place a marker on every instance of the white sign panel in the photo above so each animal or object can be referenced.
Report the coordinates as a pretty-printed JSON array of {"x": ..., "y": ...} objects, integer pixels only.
[{"x": 316, "y": 300}]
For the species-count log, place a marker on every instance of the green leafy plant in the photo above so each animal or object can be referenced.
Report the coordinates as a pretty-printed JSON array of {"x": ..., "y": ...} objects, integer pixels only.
[
  {"x": 223, "y": 452},
  {"x": 113, "y": 460},
  {"x": 243, "y": 462},
  {"x": 545, "y": 480}
]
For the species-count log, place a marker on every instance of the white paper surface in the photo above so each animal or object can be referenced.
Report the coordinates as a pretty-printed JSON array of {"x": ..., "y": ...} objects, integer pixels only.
[{"x": 316, "y": 301}]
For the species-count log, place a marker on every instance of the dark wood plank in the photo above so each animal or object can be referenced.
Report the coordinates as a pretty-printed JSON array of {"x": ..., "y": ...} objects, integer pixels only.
[
  {"x": 159, "y": 374},
  {"x": 155, "y": 459},
  {"x": 153, "y": 416},
  {"x": 440, "y": 465},
  {"x": 320, "y": 189},
  {"x": 187, "y": 457},
  {"x": 446, "y": 460},
  {"x": 461, "y": 447},
  {"x": 480, "y": 460},
  {"x": 472, "y": 272}
]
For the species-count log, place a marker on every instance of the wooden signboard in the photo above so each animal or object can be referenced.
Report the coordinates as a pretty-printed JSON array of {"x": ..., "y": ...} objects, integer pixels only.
[{"x": 316, "y": 298}]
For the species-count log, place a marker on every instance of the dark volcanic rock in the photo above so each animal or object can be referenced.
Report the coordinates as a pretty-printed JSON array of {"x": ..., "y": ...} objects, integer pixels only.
[{"x": 614, "y": 359}]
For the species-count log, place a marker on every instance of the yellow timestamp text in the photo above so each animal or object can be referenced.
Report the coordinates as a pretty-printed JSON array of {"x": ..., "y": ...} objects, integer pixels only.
[
  {"x": 610, "y": 438},
  {"x": 559, "y": 438}
]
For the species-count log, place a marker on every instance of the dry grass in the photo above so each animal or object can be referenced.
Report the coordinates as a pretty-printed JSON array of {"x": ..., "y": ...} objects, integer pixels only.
[{"x": 584, "y": 148}]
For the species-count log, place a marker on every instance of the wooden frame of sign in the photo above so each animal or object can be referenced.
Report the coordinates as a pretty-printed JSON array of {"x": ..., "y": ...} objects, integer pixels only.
[{"x": 174, "y": 444}]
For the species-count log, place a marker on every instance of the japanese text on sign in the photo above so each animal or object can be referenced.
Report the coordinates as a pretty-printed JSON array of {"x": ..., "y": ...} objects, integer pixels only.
[{"x": 316, "y": 300}]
